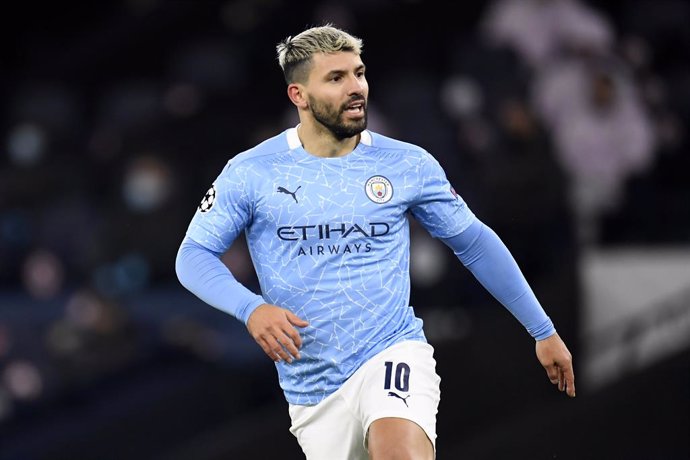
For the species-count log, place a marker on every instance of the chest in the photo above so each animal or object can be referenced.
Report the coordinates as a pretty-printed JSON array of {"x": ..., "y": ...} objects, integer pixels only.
[{"x": 337, "y": 195}]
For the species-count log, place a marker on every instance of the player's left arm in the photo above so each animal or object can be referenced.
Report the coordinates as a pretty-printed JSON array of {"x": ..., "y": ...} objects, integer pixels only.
[
  {"x": 446, "y": 216},
  {"x": 486, "y": 256}
]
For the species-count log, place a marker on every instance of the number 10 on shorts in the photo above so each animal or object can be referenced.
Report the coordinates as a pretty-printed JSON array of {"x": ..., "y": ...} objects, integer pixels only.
[{"x": 402, "y": 376}]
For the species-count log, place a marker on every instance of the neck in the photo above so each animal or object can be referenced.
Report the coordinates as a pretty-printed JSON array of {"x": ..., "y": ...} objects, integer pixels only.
[{"x": 320, "y": 142}]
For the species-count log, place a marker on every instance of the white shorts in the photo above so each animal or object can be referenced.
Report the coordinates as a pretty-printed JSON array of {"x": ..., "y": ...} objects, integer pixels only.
[{"x": 398, "y": 382}]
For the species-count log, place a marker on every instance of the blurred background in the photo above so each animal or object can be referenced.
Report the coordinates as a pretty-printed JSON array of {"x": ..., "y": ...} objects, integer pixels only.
[{"x": 563, "y": 124}]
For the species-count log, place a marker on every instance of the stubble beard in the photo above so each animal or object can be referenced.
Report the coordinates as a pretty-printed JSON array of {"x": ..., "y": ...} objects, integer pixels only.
[{"x": 332, "y": 119}]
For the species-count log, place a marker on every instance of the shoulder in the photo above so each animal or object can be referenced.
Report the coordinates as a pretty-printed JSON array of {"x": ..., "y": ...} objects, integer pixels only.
[
  {"x": 381, "y": 142},
  {"x": 385, "y": 145}
]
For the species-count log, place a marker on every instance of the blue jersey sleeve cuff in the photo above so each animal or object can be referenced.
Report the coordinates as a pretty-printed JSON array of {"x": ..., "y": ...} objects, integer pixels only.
[
  {"x": 247, "y": 311},
  {"x": 544, "y": 331}
]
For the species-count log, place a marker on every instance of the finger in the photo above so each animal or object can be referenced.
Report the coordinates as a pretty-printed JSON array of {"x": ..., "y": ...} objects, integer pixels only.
[
  {"x": 569, "y": 376},
  {"x": 278, "y": 350},
  {"x": 274, "y": 350},
  {"x": 290, "y": 346},
  {"x": 552, "y": 372},
  {"x": 561, "y": 380},
  {"x": 267, "y": 349},
  {"x": 294, "y": 336},
  {"x": 296, "y": 320}
]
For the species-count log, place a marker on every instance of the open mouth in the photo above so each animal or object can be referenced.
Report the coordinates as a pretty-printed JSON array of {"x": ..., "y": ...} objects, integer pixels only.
[{"x": 355, "y": 108}]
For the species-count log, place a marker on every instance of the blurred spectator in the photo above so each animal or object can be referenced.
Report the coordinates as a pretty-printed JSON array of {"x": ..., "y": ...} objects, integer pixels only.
[
  {"x": 23, "y": 380},
  {"x": 43, "y": 274},
  {"x": 26, "y": 144},
  {"x": 147, "y": 184},
  {"x": 602, "y": 132},
  {"x": 144, "y": 220},
  {"x": 95, "y": 337},
  {"x": 540, "y": 30}
]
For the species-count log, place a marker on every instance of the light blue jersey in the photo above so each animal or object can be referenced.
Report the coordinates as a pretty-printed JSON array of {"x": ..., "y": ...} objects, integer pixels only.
[{"x": 329, "y": 239}]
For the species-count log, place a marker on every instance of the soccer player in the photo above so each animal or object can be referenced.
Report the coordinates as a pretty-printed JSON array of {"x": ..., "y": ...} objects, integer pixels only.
[{"x": 324, "y": 209}]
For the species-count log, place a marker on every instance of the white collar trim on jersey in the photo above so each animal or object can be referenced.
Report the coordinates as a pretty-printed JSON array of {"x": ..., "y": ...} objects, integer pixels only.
[{"x": 294, "y": 142}]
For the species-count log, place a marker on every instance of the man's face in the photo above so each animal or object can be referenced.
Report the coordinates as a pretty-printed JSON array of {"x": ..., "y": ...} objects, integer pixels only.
[{"x": 337, "y": 93}]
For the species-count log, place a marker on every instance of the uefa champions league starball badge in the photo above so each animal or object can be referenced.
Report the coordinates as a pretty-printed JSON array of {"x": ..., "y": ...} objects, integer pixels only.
[
  {"x": 379, "y": 189},
  {"x": 210, "y": 198}
]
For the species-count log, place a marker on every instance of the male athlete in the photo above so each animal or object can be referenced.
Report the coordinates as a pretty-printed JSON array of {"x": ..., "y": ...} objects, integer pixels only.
[{"x": 324, "y": 209}]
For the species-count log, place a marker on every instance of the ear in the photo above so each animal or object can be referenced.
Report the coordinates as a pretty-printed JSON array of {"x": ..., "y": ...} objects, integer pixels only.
[{"x": 296, "y": 94}]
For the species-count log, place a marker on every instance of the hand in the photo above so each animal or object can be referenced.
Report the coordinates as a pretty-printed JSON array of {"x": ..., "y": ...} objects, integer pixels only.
[
  {"x": 556, "y": 359},
  {"x": 273, "y": 329}
]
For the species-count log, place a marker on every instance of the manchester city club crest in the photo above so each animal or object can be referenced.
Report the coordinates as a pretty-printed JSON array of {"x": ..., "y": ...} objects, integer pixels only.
[{"x": 379, "y": 189}]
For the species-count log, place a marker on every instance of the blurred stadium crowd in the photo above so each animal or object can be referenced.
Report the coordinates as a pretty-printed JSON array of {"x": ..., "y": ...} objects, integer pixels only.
[{"x": 561, "y": 122}]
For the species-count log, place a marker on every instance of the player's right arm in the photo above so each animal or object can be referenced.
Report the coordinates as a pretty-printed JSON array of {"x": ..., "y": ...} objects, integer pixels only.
[
  {"x": 203, "y": 273},
  {"x": 224, "y": 213}
]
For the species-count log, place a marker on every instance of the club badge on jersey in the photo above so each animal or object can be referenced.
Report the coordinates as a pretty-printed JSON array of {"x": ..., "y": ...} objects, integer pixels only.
[{"x": 379, "y": 189}]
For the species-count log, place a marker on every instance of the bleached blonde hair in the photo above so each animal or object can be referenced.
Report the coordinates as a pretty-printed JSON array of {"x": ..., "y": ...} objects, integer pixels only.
[{"x": 295, "y": 53}]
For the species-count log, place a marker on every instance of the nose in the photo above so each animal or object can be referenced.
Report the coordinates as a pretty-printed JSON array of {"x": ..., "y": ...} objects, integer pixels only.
[{"x": 357, "y": 85}]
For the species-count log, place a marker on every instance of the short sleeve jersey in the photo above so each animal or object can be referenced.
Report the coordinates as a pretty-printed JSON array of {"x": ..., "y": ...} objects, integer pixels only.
[{"x": 329, "y": 239}]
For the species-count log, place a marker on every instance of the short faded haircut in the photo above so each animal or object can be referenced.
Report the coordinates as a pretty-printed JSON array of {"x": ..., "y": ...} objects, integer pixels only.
[{"x": 294, "y": 53}]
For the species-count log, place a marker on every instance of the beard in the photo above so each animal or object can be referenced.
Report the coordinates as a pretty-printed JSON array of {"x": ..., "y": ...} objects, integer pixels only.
[{"x": 332, "y": 118}]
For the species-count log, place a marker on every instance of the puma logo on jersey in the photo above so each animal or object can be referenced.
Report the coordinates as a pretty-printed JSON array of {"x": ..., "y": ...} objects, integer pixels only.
[
  {"x": 288, "y": 192},
  {"x": 395, "y": 395}
]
